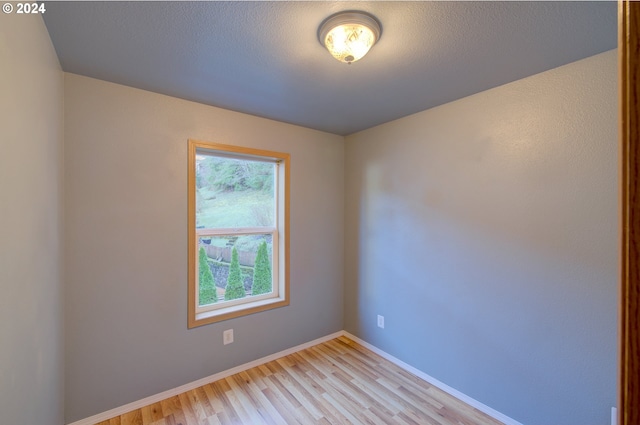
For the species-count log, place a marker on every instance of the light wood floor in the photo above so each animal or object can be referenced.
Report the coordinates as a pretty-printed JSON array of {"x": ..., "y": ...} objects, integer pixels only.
[{"x": 336, "y": 382}]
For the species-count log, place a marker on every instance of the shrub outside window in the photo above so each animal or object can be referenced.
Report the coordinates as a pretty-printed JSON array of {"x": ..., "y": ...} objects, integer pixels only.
[{"x": 238, "y": 231}]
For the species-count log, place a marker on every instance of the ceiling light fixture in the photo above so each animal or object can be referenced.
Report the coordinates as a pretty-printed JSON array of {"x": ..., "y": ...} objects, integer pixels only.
[{"x": 349, "y": 35}]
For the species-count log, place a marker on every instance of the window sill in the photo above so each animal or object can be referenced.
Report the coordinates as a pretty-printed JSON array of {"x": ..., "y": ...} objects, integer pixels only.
[{"x": 226, "y": 313}]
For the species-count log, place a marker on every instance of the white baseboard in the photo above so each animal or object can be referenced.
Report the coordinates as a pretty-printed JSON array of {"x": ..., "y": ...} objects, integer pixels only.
[
  {"x": 212, "y": 378},
  {"x": 433, "y": 381}
]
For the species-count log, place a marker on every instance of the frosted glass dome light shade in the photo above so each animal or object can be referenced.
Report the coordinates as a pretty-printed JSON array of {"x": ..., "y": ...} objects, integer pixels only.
[{"x": 348, "y": 36}]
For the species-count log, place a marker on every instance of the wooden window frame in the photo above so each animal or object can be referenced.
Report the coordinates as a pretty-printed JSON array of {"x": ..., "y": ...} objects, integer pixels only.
[{"x": 197, "y": 315}]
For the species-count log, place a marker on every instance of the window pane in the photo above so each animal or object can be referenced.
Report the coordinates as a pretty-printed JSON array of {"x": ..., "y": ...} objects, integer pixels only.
[
  {"x": 232, "y": 267},
  {"x": 234, "y": 193}
]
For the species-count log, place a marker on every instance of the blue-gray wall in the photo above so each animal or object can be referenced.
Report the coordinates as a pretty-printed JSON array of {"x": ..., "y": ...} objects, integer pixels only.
[
  {"x": 31, "y": 282},
  {"x": 485, "y": 231}
]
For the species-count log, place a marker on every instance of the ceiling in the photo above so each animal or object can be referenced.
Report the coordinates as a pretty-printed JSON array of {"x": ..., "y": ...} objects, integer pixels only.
[{"x": 263, "y": 58}]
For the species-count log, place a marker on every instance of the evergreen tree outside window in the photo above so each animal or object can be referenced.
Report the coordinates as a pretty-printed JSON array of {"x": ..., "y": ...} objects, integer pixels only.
[
  {"x": 238, "y": 229},
  {"x": 235, "y": 287},
  {"x": 261, "y": 272},
  {"x": 207, "y": 290}
]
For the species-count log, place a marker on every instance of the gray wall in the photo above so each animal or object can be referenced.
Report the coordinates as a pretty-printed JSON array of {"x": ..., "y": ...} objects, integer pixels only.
[
  {"x": 126, "y": 244},
  {"x": 31, "y": 289},
  {"x": 485, "y": 231}
]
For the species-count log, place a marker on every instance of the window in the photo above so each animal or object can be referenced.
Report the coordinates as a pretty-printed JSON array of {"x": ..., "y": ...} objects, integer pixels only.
[{"x": 238, "y": 231}]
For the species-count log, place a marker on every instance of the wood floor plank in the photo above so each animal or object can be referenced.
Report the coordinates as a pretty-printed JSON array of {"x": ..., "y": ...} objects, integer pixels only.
[
  {"x": 277, "y": 402},
  {"x": 288, "y": 400},
  {"x": 227, "y": 414},
  {"x": 338, "y": 382},
  {"x": 266, "y": 410},
  {"x": 214, "y": 399},
  {"x": 346, "y": 413},
  {"x": 307, "y": 401},
  {"x": 201, "y": 398},
  {"x": 190, "y": 416},
  {"x": 315, "y": 390},
  {"x": 248, "y": 409},
  {"x": 170, "y": 405},
  {"x": 132, "y": 418},
  {"x": 152, "y": 413},
  {"x": 180, "y": 418}
]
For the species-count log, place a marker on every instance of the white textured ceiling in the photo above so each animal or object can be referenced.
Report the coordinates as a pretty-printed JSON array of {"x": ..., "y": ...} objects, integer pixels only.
[{"x": 263, "y": 58}]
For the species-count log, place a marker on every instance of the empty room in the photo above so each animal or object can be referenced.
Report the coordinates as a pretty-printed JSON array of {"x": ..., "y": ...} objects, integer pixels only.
[{"x": 309, "y": 213}]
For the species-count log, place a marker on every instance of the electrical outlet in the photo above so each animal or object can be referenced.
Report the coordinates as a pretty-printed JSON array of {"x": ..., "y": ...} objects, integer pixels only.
[
  {"x": 227, "y": 336},
  {"x": 380, "y": 321}
]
